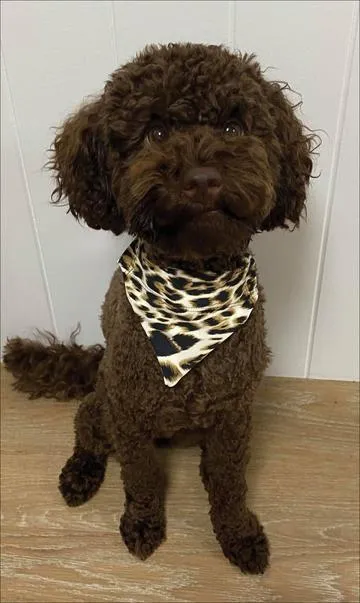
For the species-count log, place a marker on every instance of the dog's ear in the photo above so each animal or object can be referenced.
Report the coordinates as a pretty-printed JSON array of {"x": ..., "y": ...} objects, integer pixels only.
[
  {"x": 295, "y": 151},
  {"x": 80, "y": 164}
]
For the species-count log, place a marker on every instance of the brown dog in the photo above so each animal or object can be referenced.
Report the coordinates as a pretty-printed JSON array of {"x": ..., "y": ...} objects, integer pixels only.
[{"x": 190, "y": 149}]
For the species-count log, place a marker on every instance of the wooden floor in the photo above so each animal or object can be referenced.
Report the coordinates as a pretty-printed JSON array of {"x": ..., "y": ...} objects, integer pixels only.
[{"x": 303, "y": 482}]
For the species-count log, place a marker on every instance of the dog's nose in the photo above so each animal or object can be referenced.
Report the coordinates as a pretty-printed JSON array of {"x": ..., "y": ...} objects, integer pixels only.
[{"x": 206, "y": 180}]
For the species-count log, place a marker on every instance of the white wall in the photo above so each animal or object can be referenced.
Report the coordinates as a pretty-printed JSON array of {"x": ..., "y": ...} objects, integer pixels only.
[{"x": 55, "y": 272}]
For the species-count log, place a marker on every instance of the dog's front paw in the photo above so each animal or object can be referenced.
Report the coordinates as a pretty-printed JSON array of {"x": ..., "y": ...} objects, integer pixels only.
[
  {"x": 81, "y": 477},
  {"x": 142, "y": 535},
  {"x": 248, "y": 550}
]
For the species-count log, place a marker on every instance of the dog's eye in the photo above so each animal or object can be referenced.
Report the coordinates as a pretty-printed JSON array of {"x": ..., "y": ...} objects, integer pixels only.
[
  {"x": 157, "y": 133},
  {"x": 232, "y": 128}
]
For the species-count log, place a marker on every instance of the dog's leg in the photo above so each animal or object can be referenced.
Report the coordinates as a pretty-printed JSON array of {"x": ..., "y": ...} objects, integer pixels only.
[
  {"x": 83, "y": 473},
  {"x": 223, "y": 465},
  {"x": 142, "y": 525}
]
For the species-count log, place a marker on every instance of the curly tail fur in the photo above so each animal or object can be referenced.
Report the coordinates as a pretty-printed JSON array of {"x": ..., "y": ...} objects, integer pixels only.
[{"x": 49, "y": 368}]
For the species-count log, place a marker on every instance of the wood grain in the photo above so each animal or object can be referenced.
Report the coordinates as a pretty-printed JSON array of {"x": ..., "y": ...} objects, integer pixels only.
[{"x": 303, "y": 482}]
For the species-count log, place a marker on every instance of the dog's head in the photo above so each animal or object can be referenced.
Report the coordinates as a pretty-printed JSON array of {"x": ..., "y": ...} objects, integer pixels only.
[{"x": 188, "y": 147}]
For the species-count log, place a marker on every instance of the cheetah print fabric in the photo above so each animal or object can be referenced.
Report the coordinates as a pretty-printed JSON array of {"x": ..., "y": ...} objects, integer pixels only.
[{"x": 185, "y": 315}]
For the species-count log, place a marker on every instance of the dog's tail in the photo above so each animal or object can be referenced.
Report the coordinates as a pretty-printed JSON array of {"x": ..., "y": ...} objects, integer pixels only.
[{"x": 49, "y": 368}]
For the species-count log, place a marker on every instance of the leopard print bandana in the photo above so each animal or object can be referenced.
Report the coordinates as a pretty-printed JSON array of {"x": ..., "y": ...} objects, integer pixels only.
[{"x": 186, "y": 315}]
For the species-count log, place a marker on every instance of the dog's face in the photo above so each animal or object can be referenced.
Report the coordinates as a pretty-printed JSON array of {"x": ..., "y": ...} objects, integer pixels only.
[{"x": 190, "y": 148}]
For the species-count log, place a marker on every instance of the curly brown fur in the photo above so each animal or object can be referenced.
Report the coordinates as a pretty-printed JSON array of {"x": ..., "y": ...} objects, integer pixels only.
[
  {"x": 52, "y": 369},
  {"x": 81, "y": 477},
  {"x": 114, "y": 181},
  {"x": 126, "y": 160},
  {"x": 80, "y": 162},
  {"x": 83, "y": 474}
]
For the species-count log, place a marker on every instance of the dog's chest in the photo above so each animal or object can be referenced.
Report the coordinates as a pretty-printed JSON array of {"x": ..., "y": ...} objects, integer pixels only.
[{"x": 209, "y": 388}]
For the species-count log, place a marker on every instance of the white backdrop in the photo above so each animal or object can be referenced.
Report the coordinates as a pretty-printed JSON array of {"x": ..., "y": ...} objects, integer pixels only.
[{"x": 54, "y": 272}]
